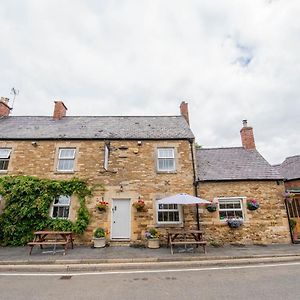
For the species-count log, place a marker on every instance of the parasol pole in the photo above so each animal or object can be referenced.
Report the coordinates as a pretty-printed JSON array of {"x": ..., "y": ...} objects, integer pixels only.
[{"x": 195, "y": 183}]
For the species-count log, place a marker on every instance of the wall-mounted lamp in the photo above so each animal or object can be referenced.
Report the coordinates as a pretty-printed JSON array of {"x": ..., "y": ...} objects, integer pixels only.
[
  {"x": 34, "y": 144},
  {"x": 139, "y": 143},
  {"x": 121, "y": 188}
]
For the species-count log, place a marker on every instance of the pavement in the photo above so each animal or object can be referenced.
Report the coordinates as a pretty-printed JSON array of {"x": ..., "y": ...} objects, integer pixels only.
[{"x": 83, "y": 258}]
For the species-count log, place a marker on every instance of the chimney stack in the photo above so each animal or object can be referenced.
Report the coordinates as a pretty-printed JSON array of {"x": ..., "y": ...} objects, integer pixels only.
[
  {"x": 4, "y": 108},
  {"x": 60, "y": 110},
  {"x": 247, "y": 136},
  {"x": 184, "y": 111}
]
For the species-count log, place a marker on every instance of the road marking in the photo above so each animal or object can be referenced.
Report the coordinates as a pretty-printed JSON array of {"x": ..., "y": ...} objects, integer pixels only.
[{"x": 154, "y": 271}]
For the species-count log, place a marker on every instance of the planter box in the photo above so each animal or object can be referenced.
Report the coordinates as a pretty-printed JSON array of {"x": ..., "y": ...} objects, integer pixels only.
[
  {"x": 153, "y": 243},
  {"x": 99, "y": 242}
]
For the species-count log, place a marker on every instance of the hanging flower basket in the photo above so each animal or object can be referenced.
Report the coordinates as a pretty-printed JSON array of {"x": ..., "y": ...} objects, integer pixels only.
[
  {"x": 212, "y": 207},
  {"x": 102, "y": 206},
  {"x": 139, "y": 205},
  {"x": 252, "y": 204},
  {"x": 235, "y": 223}
]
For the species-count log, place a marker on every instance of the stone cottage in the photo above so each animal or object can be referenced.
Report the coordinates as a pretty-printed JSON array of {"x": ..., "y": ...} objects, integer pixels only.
[
  {"x": 129, "y": 159},
  {"x": 231, "y": 177}
]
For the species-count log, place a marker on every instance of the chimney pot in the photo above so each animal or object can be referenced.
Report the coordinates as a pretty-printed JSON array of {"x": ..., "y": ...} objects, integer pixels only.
[
  {"x": 247, "y": 136},
  {"x": 60, "y": 110},
  {"x": 4, "y": 108},
  {"x": 184, "y": 111}
]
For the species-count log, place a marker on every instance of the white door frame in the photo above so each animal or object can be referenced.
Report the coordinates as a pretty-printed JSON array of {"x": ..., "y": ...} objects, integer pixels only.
[{"x": 128, "y": 200}]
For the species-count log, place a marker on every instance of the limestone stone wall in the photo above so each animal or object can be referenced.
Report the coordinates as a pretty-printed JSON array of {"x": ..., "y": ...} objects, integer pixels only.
[
  {"x": 268, "y": 224},
  {"x": 131, "y": 174}
]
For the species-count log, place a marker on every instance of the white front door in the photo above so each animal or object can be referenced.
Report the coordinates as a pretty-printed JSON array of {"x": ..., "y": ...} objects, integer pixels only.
[{"x": 121, "y": 217}]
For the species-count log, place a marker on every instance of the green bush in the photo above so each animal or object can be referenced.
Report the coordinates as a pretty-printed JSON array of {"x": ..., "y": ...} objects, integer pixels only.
[{"x": 27, "y": 204}]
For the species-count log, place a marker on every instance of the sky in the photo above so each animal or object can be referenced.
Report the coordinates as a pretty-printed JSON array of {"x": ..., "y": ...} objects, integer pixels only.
[{"x": 229, "y": 59}]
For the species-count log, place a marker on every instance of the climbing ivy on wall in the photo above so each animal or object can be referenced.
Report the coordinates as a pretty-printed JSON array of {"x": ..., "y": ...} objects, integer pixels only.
[{"x": 27, "y": 204}]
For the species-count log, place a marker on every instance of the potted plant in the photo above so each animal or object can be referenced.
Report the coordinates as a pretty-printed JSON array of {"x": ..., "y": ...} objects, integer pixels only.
[
  {"x": 212, "y": 207},
  {"x": 102, "y": 205},
  {"x": 252, "y": 204},
  {"x": 139, "y": 204},
  {"x": 235, "y": 223},
  {"x": 152, "y": 235},
  {"x": 100, "y": 237}
]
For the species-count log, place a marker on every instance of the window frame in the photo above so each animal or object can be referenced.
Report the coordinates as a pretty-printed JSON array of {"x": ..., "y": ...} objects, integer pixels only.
[
  {"x": 59, "y": 159},
  {"x": 241, "y": 209},
  {"x": 54, "y": 205},
  {"x": 158, "y": 158},
  {"x": 5, "y": 159},
  {"x": 179, "y": 210}
]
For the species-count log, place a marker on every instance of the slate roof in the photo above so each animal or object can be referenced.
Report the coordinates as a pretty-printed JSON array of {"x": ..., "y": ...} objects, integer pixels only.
[
  {"x": 98, "y": 127},
  {"x": 237, "y": 163},
  {"x": 290, "y": 168}
]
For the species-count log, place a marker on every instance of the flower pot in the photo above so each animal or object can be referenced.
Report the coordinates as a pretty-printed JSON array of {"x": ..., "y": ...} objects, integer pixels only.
[
  {"x": 153, "y": 243},
  {"x": 101, "y": 209},
  {"x": 252, "y": 206},
  {"x": 99, "y": 242}
]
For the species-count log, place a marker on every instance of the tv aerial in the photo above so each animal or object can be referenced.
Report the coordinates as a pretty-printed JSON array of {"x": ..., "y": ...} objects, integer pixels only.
[{"x": 15, "y": 93}]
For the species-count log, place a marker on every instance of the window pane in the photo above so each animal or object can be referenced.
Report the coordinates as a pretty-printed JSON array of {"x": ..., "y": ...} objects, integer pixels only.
[
  {"x": 65, "y": 165},
  {"x": 5, "y": 153},
  {"x": 3, "y": 164},
  {"x": 64, "y": 200},
  {"x": 166, "y": 153},
  {"x": 66, "y": 153},
  {"x": 166, "y": 164}
]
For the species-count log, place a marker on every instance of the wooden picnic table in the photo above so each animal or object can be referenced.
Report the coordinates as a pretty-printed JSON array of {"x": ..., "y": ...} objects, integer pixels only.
[
  {"x": 46, "y": 237},
  {"x": 186, "y": 237}
]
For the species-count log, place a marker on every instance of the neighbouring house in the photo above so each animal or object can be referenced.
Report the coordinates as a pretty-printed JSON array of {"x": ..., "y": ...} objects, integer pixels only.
[
  {"x": 232, "y": 177},
  {"x": 290, "y": 170},
  {"x": 134, "y": 158}
]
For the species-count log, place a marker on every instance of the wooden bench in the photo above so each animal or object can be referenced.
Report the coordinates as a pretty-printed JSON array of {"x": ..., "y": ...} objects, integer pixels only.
[
  {"x": 186, "y": 237},
  {"x": 188, "y": 242},
  {"x": 45, "y": 238}
]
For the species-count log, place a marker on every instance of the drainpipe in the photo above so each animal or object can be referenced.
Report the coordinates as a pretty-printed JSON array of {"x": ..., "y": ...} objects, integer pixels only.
[{"x": 195, "y": 182}]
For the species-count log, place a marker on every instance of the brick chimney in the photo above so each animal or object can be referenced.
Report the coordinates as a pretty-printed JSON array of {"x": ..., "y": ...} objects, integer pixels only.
[
  {"x": 184, "y": 111},
  {"x": 4, "y": 108},
  {"x": 247, "y": 136},
  {"x": 60, "y": 110}
]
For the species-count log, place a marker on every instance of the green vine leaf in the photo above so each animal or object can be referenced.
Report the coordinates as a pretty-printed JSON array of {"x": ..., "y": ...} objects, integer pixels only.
[{"x": 27, "y": 204}]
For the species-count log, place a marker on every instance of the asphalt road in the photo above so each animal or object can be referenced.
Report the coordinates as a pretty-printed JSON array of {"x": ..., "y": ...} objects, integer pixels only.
[{"x": 277, "y": 281}]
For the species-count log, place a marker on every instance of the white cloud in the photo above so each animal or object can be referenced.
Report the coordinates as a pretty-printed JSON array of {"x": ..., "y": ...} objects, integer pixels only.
[{"x": 229, "y": 59}]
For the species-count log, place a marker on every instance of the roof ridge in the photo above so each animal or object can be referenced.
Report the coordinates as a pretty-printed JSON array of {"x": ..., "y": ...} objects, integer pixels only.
[
  {"x": 217, "y": 148},
  {"x": 123, "y": 116}
]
